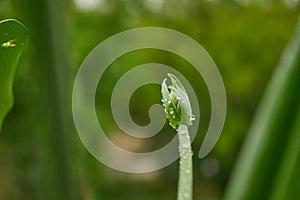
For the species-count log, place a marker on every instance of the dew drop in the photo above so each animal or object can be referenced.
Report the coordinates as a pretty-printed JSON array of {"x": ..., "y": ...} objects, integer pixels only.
[{"x": 192, "y": 118}]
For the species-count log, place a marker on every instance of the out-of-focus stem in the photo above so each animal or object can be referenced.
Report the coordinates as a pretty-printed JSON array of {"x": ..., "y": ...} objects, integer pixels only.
[{"x": 46, "y": 21}]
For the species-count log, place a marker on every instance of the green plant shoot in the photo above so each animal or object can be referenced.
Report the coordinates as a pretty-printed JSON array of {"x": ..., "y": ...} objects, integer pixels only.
[{"x": 179, "y": 113}]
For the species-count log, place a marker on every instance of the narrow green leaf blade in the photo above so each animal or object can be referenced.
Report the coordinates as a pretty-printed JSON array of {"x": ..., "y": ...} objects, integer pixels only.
[
  {"x": 13, "y": 38},
  {"x": 287, "y": 184},
  {"x": 268, "y": 138}
]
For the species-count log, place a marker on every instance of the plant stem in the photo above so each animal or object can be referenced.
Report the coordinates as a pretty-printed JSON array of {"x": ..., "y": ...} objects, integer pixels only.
[
  {"x": 179, "y": 113},
  {"x": 185, "y": 182}
]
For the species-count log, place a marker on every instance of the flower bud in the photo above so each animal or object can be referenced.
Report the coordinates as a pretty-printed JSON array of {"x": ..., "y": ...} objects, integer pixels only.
[{"x": 176, "y": 103}]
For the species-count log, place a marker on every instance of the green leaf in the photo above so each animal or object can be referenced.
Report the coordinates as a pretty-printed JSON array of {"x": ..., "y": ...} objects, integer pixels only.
[
  {"x": 286, "y": 184},
  {"x": 269, "y": 157},
  {"x": 13, "y": 38}
]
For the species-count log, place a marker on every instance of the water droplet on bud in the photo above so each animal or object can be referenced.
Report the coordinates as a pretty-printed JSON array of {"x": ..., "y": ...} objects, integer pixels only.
[{"x": 192, "y": 117}]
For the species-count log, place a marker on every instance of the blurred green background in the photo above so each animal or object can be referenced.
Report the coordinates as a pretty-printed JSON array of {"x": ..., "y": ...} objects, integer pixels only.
[{"x": 41, "y": 155}]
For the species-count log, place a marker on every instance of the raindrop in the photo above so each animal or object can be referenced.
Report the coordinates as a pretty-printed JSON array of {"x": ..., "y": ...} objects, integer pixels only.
[
  {"x": 192, "y": 118},
  {"x": 172, "y": 112}
]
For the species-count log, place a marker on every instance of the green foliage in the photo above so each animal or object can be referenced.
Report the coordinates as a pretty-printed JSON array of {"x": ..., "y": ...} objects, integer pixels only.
[
  {"x": 267, "y": 166},
  {"x": 245, "y": 42},
  {"x": 46, "y": 22},
  {"x": 13, "y": 38}
]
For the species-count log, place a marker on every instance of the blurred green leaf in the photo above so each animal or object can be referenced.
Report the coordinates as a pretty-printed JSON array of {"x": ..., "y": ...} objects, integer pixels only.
[
  {"x": 13, "y": 37},
  {"x": 270, "y": 152},
  {"x": 286, "y": 184}
]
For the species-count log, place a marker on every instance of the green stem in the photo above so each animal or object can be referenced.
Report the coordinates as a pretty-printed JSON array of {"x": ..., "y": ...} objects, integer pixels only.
[
  {"x": 179, "y": 113},
  {"x": 185, "y": 183}
]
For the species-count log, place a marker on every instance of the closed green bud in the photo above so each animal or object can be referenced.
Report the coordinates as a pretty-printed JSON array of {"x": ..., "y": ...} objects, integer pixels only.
[{"x": 176, "y": 103}]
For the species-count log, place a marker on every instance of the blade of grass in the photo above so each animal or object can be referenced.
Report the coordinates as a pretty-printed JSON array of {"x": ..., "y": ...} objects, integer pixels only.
[
  {"x": 13, "y": 38},
  {"x": 287, "y": 184},
  {"x": 263, "y": 148},
  {"x": 47, "y": 22}
]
